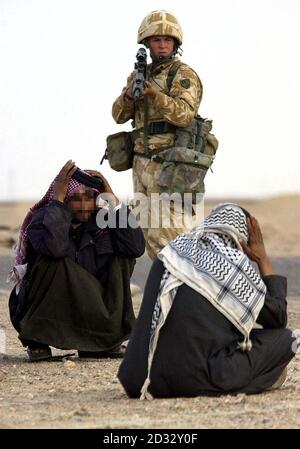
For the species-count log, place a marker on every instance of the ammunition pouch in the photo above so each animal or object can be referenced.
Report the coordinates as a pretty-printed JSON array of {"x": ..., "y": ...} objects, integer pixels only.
[
  {"x": 183, "y": 171},
  {"x": 119, "y": 150},
  {"x": 184, "y": 166}
]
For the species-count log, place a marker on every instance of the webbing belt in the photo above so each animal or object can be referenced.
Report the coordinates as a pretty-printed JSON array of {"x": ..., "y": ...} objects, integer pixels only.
[{"x": 158, "y": 128}]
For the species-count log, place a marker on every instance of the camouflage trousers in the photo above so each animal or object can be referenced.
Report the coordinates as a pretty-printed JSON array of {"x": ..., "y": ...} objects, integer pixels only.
[{"x": 156, "y": 232}]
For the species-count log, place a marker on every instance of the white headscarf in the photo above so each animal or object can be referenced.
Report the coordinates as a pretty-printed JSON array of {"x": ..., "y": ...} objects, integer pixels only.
[{"x": 210, "y": 260}]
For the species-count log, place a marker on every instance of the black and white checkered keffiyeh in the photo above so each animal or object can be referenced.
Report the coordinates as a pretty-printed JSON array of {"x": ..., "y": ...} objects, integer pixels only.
[{"x": 210, "y": 260}]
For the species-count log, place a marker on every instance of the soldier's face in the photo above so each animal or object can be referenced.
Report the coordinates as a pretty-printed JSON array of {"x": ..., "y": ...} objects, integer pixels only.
[{"x": 161, "y": 46}]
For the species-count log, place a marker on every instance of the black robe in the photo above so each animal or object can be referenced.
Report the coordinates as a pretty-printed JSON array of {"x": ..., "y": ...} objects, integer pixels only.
[{"x": 197, "y": 351}]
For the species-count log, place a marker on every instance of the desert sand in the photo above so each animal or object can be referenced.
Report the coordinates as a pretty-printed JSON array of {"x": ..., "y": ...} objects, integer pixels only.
[{"x": 79, "y": 394}]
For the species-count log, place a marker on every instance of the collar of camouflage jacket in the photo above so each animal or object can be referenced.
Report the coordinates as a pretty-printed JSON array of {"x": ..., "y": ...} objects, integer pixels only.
[{"x": 158, "y": 66}]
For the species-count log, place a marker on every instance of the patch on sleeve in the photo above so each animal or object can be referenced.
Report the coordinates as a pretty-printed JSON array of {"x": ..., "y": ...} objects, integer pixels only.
[{"x": 185, "y": 83}]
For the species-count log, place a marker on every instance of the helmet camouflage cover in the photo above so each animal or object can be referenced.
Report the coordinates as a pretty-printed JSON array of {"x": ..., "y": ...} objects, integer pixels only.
[{"x": 160, "y": 23}]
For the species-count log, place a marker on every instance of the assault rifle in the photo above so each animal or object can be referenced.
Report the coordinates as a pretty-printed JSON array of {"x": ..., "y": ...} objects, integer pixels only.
[{"x": 140, "y": 73}]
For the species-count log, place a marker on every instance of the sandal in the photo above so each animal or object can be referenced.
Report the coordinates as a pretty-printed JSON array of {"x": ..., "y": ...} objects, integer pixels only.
[{"x": 39, "y": 354}]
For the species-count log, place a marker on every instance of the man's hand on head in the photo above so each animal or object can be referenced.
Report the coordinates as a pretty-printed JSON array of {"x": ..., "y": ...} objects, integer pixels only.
[
  {"x": 255, "y": 248},
  {"x": 62, "y": 181},
  {"x": 106, "y": 186}
]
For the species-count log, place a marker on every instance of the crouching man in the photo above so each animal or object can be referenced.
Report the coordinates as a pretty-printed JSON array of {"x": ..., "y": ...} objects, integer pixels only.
[{"x": 73, "y": 278}]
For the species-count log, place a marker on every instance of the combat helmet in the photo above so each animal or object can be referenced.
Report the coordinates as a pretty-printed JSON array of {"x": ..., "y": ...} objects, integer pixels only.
[{"x": 159, "y": 23}]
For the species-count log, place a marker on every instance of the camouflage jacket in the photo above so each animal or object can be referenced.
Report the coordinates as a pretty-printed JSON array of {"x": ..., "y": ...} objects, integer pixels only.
[{"x": 177, "y": 107}]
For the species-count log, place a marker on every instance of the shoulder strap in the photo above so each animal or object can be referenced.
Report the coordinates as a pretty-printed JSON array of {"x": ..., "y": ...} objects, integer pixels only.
[{"x": 172, "y": 72}]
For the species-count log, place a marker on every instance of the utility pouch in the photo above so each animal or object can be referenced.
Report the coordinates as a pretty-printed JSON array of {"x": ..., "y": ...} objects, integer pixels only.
[
  {"x": 119, "y": 150},
  {"x": 205, "y": 141},
  {"x": 184, "y": 166}
]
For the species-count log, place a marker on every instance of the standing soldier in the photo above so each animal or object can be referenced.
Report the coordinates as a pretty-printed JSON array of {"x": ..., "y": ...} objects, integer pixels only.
[{"x": 173, "y": 92}]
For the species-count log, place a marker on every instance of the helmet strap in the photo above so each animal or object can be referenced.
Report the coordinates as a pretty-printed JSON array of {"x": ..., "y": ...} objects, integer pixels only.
[{"x": 179, "y": 51}]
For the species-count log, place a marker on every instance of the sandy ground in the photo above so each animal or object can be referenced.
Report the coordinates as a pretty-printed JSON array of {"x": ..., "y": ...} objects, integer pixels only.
[{"x": 81, "y": 394}]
